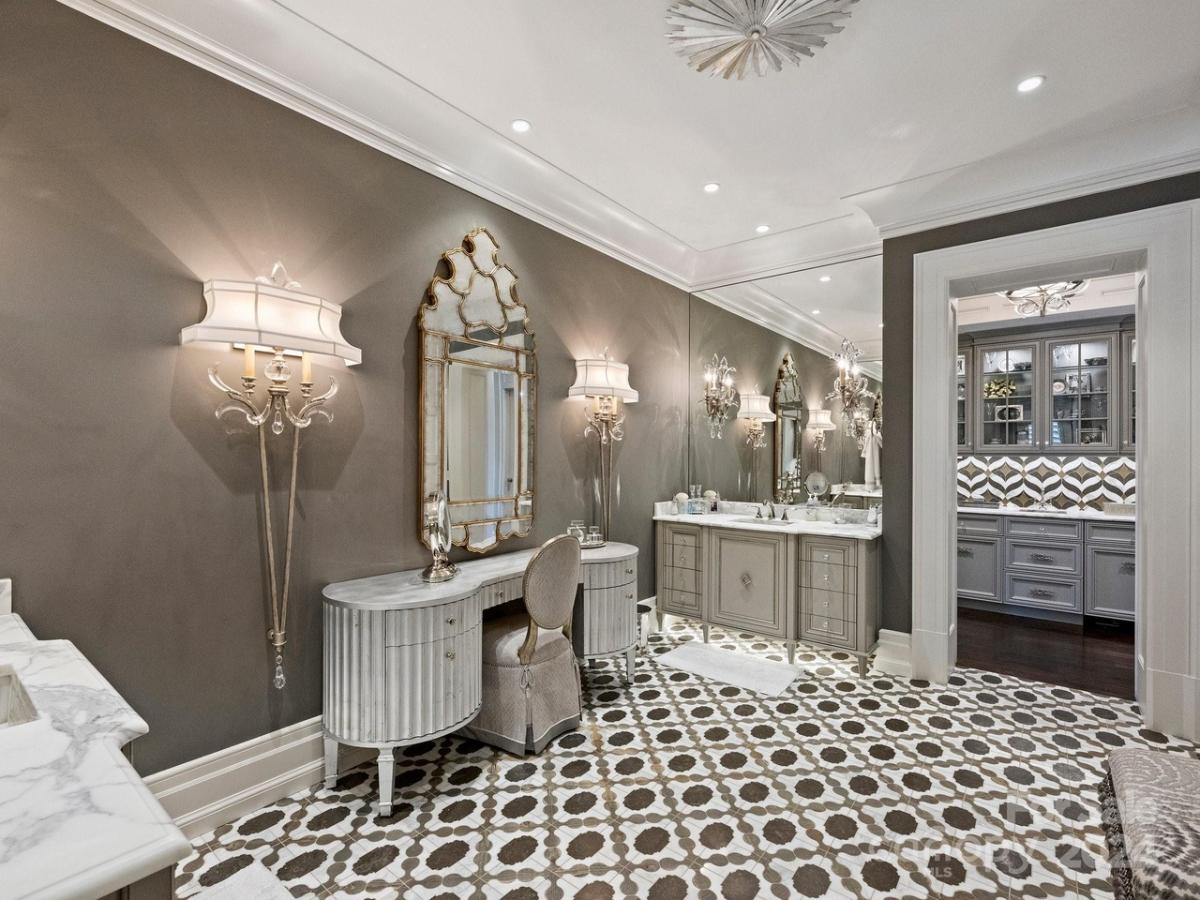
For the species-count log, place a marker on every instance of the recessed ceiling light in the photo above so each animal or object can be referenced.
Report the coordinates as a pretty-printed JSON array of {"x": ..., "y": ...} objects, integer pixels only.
[
  {"x": 763, "y": 229},
  {"x": 1032, "y": 83},
  {"x": 520, "y": 126},
  {"x": 825, "y": 279},
  {"x": 816, "y": 312},
  {"x": 711, "y": 188}
]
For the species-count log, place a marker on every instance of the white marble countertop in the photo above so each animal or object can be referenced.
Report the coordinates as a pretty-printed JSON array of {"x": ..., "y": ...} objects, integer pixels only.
[
  {"x": 1072, "y": 513},
  {"x": 76, "y": 820},
  {"x": 738, "y": 521},
  {"x": 856, "y": 490},
  {"x": 406, "y": 590}
]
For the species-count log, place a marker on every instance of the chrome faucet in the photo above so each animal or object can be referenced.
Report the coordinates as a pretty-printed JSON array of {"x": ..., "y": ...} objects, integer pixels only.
[{"x": 770, "y": 505}]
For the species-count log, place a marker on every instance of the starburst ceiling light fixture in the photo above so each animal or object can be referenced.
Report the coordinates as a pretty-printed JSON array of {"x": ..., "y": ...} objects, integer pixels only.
[
  {"x": 734, "y": 38},
  {"x": 1039, "y": 299}
]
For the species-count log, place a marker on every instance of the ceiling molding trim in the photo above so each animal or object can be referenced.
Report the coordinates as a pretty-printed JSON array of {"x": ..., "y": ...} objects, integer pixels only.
[
  {"x": 1060, "y": 189},
  {"x": 171, "y": 37},
  {"x": 796, "y": 264}
]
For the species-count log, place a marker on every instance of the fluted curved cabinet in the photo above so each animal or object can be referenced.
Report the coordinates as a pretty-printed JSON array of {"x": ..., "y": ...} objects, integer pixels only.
[{"x": 402, "y": 657}]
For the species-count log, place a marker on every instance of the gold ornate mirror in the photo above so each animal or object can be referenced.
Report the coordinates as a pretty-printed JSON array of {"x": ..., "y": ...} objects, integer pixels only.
[
  {"x": 790, "y": 409},
  {"x": 478, "y": 375}
]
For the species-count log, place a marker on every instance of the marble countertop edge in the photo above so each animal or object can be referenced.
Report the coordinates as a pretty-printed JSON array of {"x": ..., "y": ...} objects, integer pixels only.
[
  {"x": 821, "y": 529},
  {"x": 1091, "y": 515}
]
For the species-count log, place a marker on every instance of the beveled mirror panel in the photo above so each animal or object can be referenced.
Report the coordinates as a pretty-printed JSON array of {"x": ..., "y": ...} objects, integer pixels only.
[
  {"x": 787, "y": 402},
  {"x": 478, "y": 380}
]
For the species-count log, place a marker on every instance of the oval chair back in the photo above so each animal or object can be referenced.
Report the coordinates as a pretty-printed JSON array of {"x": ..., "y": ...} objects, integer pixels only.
[{"x": 551, "y": 585}]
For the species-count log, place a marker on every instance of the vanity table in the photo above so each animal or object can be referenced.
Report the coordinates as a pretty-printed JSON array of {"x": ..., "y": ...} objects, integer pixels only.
[{"x": 402, "y": 656}]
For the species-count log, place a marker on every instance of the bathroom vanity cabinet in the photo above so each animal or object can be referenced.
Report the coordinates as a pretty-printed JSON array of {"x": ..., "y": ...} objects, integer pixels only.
[
  {"x": 1055, "y": 566},
  {"x": 821, "y": 589}
]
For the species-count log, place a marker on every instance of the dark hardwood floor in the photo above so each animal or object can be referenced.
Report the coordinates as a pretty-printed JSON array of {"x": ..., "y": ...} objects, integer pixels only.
[{"x": 1098, "y": 657}]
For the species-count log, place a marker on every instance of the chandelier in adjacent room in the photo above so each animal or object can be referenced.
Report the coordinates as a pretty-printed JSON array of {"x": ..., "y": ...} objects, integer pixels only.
[
  {"x": 1039, "y": 299},
  {"x": 733, "y": 38}
]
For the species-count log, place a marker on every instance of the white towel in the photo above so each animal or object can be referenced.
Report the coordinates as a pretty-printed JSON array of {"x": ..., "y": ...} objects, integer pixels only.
[{"x": 872, "y": 444}]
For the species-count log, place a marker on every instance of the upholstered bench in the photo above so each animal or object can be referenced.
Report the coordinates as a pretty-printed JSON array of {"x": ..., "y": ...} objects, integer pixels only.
[{"x": 1151, "y": 815}]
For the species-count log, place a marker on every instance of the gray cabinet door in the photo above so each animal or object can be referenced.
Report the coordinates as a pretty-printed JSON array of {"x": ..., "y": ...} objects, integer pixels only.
[
  {"x": 751, "y": 581},
  {"x": 979, "y": 567},
  {"x": 1109, "y": 583}
]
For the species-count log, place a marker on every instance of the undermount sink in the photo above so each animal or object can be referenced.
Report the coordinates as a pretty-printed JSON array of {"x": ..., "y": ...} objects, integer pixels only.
[{"x": 15, "y": 706}]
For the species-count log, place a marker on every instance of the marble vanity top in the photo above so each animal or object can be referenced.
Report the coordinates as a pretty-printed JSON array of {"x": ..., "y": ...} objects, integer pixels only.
[
  {"x": 1073, "y": 513},
  {"x": 76, "y": 820},
  {"x": 406, "y": 589},
  {"x": 857, "y": 490},
  {"x": 737, "y": 521}
]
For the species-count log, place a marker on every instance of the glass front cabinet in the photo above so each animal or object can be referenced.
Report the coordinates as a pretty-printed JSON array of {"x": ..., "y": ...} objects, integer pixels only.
[
  {"x": 1060, "y": 393},
  {"x": 1129, "y": 383},
  {"x": 963, "y": 379}
]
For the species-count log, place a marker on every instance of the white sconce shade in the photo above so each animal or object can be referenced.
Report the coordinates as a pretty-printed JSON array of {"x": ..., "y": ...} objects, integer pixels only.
[
  {"x": 820, "y": 420},
  {"x": 755, "y": 406},
  {"x": 266, "y": 315},
  {"x": 602, "y": 378}
]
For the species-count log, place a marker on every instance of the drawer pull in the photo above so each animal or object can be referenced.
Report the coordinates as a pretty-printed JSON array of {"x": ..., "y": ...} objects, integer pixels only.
[
  {"x": 449, "y": 654},
  {"x": 1128, "y": 567},
  {"x": 1042, "y": 529},
  {"x": 1040, "y": 593},
  {"x": 825, "y": 557},
  {"x": 826, "y": 577},
  {"x": 451, "y": 620},
  {"x": 629, "y": 571},
  {"x": 747, "y": 580},
  {"x": 963, "y": 551},
  {"x": 629, "y": 596},
  {"x": 1041, "y": 557}
]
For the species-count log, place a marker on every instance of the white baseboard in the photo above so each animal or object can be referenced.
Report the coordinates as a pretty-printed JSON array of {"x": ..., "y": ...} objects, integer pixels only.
[
  {"x": 210, "y": 791},
  {"x": 5, "y": 596},
  {"x": 893, "y": 653}
]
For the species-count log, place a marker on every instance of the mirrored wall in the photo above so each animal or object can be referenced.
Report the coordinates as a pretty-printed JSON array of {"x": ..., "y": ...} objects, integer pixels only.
[{"x": 847, "y": 303}]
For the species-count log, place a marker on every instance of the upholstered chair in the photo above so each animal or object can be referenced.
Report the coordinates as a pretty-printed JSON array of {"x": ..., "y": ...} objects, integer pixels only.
[{"x": 531, "y": 691}]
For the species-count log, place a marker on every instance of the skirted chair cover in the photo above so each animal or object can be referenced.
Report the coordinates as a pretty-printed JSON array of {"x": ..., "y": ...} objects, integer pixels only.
[{"x": 531, "y": 689}]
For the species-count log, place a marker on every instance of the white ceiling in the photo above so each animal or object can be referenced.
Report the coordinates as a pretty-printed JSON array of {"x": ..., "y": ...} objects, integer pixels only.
[
  {"x": 907, "y": 119},
  {"x": 1112, "y": 295}
]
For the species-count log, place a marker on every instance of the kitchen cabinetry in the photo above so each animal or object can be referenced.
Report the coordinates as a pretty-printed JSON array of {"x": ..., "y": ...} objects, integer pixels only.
[
  {"x": 1067, "y": 390},
  {"x": 964, "y": 384},
  {"x": 1055, "y": 567}
]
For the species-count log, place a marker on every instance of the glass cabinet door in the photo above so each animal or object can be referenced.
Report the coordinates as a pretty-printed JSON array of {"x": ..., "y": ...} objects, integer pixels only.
[
  {"x": 962, "y": 402},
  {"x": 1129, "y": 384},
  {"x": 1007, "y": 397},
  {"x": 1082, "y": 393}
]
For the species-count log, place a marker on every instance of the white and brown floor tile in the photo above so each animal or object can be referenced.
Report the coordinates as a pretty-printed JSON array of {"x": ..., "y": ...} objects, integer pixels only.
[{"x": 676, "y": 787}]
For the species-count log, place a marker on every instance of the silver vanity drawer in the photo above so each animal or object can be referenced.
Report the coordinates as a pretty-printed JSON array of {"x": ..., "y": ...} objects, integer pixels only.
[
  {"x": 1061, "y": 559},
  {"x": 827, "y": 576},
  {"x": 502, "y": 592},
  {"x": 606, "y": 621},
  {"x": 830, "y": 605},
  {"x": 969, "y": 523},
  {"x": 681, "y": 557},
  {"x": 683, "y": 580},
  {"x": 403, "y": 627},
  {"x": 824, "y": 630},
  {"x": 1117, "y": 534},
  {"x": 1043, "y": 593},
  {"x": 685, "y": 538},
  {"x": 831, "y": 552},
  {"x": 1049, "y": 529},
  {"x": 681, "y": 602},
  {"x": 609, "y": 574}
]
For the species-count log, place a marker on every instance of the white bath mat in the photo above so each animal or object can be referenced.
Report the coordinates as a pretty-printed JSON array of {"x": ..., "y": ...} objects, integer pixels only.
[
  {"x": 255, "y": 882},
  {"x": 739, "y": 669}
]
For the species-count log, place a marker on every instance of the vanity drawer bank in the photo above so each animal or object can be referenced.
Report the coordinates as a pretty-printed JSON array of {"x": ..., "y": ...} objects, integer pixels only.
[
  {"x": 815, "y": 581},
  {"x": 1059, "y": 566},
  {"x": 76, "y": 820},
  {"x": 402, "y": 657}
]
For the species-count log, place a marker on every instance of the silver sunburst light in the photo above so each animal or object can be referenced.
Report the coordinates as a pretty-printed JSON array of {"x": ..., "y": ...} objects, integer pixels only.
[{"x": 733, "y": 38}]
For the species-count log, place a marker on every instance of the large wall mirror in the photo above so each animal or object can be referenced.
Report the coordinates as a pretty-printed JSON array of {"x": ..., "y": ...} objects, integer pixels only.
[{"x": 478, "y": 379}]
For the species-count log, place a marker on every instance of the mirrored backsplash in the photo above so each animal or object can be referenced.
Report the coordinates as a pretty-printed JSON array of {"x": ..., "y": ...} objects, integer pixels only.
[{"x": 1062, "y": 481}]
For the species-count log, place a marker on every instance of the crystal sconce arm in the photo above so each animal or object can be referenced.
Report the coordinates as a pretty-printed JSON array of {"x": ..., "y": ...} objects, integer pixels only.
[
  {"x": 272, "y": 313},
  {"x": 720, "y": 396}
]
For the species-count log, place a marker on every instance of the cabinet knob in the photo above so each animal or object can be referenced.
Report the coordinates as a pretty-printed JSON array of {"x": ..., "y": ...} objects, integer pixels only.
[
  {"x": 963, "y": 551},
  {"x": 1128, "y": 567},
  {"x": 1041, "y": 557},
  {"x": 826, "y": 577},
  {"x": 451, "y": 620},
  {"x": 629, "y": 596},
  {"x": 629, "y": 571},
  {"x": 746, "y": 579},
  {"x": 1040, "y": 593},
  {"x": 449, "y": 654}
]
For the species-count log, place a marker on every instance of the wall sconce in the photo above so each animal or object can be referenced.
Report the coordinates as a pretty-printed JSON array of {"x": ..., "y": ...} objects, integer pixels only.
[
  {"x": 274, "y": 316},
  {"x": 850, "y": 386},
  {"x": 820, "y": 422},
  {"x": 605, "y": 384},
  {"x": 720, "y": 398},
  {"x": 755, "y": 408}
]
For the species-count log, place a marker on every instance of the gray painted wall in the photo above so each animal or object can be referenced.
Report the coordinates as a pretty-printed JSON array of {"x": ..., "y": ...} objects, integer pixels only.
[
  {"x": 130, "y": 514},
  {"x": 898, "y": 437}
]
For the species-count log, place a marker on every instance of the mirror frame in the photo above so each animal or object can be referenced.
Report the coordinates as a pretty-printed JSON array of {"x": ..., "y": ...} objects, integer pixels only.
[
  {"x": 786, "y": 375},
  {"x": 475, "y": 302}
]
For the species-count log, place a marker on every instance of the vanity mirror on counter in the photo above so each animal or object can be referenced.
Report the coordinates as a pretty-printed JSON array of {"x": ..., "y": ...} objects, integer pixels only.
[
  {"x": 788, "y": 405},
  {"x": 478, "y": 385}
]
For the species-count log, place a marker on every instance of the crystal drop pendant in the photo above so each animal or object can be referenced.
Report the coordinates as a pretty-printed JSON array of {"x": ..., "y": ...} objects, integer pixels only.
[
  {"x": 277, "y": 423},
  {"x": 280, "y": 678}
]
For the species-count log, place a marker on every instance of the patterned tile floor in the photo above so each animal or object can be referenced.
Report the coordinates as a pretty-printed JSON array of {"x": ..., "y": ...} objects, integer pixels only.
[{"x": 679, "y": 787}]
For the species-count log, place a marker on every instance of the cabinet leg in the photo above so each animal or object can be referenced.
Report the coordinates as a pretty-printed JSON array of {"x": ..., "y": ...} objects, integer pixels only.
[
  {"x": 331, "y": 763},
  {"x": 630, "y": 662},
  {"x": 791, "y": 645},
  {"x": 862, "y": 667},
  {"x": 704, "y": 631},
  {"x": 387, "y": 778}
]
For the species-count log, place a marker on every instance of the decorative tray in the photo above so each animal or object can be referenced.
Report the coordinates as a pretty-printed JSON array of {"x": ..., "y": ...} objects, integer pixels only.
[{"x": 592, "y": 545}]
